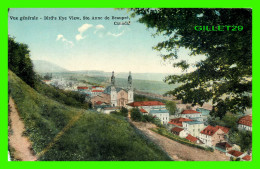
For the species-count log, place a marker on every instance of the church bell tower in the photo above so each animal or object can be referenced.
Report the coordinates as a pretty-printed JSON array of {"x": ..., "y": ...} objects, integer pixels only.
[
  {"x": 113, "y": 93},
  {"x": 130, "y": 89}
]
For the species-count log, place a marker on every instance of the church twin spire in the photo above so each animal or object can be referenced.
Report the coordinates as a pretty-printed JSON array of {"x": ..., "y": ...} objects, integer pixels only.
[{"x": 113, "y": 80}]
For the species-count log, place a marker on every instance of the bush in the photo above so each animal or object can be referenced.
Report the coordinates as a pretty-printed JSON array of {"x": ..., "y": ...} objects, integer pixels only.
[{"x": 136, "y": 114}]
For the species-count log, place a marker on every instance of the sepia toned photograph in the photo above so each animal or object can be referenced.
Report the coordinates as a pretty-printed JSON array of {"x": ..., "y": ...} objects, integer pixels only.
[{"x": 130, "y": 84}]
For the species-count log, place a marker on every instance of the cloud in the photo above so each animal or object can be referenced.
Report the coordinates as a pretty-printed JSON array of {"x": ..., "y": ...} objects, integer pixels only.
[
  {"x": 81, "y": 30},
  {"x": 63, "y": 39},
  {"x": 114, "y": 34},
  {"x": 84, "y": 27},
  {"x": 100, "y": 26}
]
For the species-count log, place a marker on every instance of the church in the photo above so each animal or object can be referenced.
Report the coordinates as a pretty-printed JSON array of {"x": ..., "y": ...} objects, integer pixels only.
[{"x": 114, "y": 96}]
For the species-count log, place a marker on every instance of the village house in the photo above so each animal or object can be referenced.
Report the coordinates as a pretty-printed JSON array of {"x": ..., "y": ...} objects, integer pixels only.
[
  {"x": 178, "y": 122},
  {"x": 235, "y": 154},
  {"x": 223, "y": 147},
  {"x": 246, "y": 158},
  {"x": 96, "y": 92},
  {"x": 193, "y": 127},
  {"x": 245, "y": 123},
  {"x": 179, "y": 132},
  {"x": 211, "y": 135},
  {"x": 162, "y": 114},
  {"x": 193, "y": 139},
  {"x": 144, "y": 112},
  {"x": 191, "y": 114}
]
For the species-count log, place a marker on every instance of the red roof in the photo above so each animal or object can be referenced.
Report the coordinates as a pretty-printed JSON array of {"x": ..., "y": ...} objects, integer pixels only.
[
  {"x": 178, "y": 121},
  {"x": 176, "y": 130},
  {"x": 97, "y": 90},
  {"x": 246, "y": 120},
  {"x": 143, "y": 111},
  {"x": 189, "y": 112},
  {"x": 191, "y": 138},
  {"x": 146, "y": 103},
  {"x": 225, "y": 129},
  {"x": 209, "y": 130},
  {"x": 247, "y": 158},
  {"x": 82, "y": 87},
  {"x": 235, "y": 153}
]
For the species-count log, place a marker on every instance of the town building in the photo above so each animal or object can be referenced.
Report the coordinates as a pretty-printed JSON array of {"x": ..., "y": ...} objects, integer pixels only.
[
  {"x": 162, "y": 114},
  {"x": 178, "y": 122},
  {"x": 235, "y": 154},
  {"x": 246, "y": 158},
  {"x": 193, "y": 127},
  {"x": 193, "y": 139},
  {"x": 179, "y": 132},
  {"x": 245, "y": 123},
  {"x": 191, "y": 114},
  {"x": 223, "y": 147},
  {"x": 211, "y": 135}
]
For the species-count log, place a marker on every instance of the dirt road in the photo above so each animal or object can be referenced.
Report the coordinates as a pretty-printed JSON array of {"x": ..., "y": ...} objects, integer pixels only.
[
  {"x": 17, "y": 141},
  {"x": 178, "y": 151}
]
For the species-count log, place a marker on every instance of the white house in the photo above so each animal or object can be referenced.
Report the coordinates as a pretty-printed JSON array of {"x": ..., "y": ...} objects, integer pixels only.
[
  {"x": 193, "y": 127},
  {"x": 179, "y": 132},
  {"x": 192, "y": 114},
  {"x": 162, "y": 114},
  {"x": 245, "y": 123}
]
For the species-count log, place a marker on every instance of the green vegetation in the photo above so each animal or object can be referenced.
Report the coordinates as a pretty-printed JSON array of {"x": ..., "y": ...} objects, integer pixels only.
[
  {"x": 69, "y": 98},
  {"x": 171, "y": 107},
  {"x": 166, "y": 133},
  {"x": 225, "y": 75},
  {"x": 123, "y": 112},
  {"x": 229, "y": 120},
  {"x": 136, "y": 115},
  {"x": 241, "y": 138},
  {"x": 93, "y": 137},
  {"x": 19, "y": 61}
]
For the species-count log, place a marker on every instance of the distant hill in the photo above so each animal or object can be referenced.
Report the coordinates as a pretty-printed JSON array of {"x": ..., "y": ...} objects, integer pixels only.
[{"x": 42, "y": 66}]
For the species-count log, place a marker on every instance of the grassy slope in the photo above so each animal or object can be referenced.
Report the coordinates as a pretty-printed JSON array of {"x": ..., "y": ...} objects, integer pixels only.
[{"x": 92, "y": 137}]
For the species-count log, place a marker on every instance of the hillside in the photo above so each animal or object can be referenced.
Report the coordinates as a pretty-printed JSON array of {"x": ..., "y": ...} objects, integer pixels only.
[
  {"x": 62, "y": 133},
  {"x": 42, "y": 66}
]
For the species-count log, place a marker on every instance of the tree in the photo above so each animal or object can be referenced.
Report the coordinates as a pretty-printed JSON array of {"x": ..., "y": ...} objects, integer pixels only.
[
  {"x": 225, "y": 76},
  {"x": 136, "y": 114},
  {"x": 124, "y": 111},
  {"x": 171, "y": 107},
  {"x": 19, "y": 61}
]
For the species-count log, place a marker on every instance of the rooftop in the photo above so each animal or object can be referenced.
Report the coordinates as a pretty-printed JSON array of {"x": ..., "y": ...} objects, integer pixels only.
[
  {"x": 146, "y": 103},
  {"x": 191, "y": 138},
  {"x": 235, "y": 153},
  {"x": 193, "y": 122},
  {"x": 189, "y": 112},
  {"x": 159, "y": 111},
  {"x": 178, "y": 121},
  {"x": 176, "y": 130},
  {"x": 246, "y": 120},
  {"x": 247, "y": 158}
]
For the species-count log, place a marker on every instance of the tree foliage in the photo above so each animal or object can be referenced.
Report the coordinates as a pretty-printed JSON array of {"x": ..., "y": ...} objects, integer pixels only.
[
  {"x": 19, "y": 61},
  {"x": 136, "y": 114},
  {"x": 225, "y": 76},
  {"x": 171, "y": 107}
]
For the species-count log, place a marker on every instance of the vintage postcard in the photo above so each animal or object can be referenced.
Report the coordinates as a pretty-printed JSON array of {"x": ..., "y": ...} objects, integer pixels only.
[{"x": 130, "y": 84}]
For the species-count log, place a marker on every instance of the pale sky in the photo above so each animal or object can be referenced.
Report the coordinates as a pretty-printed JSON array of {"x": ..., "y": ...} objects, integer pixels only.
[{"x": 90, "y": 44}]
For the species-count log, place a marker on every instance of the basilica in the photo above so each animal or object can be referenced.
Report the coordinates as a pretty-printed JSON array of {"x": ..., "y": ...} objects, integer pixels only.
[{"x": 114, "y": 96}]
